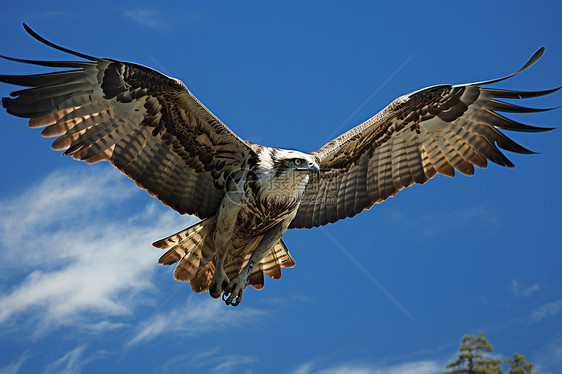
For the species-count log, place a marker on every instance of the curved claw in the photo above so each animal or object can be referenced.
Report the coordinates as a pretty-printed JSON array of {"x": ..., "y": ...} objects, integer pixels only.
[
  {"x": 225, "y": 295},
  {"x": 219, "y": 283},
  {"x": 233, "y": 294}
]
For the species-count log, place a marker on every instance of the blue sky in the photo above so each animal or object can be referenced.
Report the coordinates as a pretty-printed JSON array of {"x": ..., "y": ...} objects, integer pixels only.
[{"x": 80, "y": 290}]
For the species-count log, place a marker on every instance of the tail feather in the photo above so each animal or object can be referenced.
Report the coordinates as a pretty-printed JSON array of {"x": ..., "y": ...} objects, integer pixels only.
[
  {"x": 256, "y": 279},
  {"x": 202, "y": 279},
  {"x": 272, "y": 268},
  {"x": 183, "y": 234},
  {"x": 239, "y": 257},
  {"x": 277, "y": 257},
  {"x": 271, "y": 264},
  {"x": 189, "y": 264},
  {"x": 192, "y": 249}
]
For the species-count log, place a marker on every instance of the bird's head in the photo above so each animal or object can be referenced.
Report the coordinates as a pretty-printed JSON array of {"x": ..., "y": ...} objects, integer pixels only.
[
  {"x": 294, "y": 162},
  {"x": 285, "y": 167},
  {"x": 284, "y": 174}
]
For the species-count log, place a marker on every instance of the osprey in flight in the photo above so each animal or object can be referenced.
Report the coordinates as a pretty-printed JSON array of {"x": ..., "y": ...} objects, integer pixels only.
[{"x": 156, "y": 132}]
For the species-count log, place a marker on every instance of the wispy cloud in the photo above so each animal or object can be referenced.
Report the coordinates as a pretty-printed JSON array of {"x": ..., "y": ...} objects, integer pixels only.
[
  {"x": 194, "y": 318},
  {"x": 211, "y": 361},
  {"x": 517, "y": 290},
  {"x": 304, "y": 368},
  {"x": 164, "y": 17},
  {"x": 414, "y": 367},
  {"x": 549, "y": 356},
  {"x": 438, "y": 223},
  {"x": 232, "y": 362},
  {"x": 68, "y": 256},
  {"x": 50, "y": 14},
  {"x": 546, "y": 310},
  {"x": 146, "y": 17},
  {"x": 71, "y": 363},
  {"x": 14, "y": 367}
]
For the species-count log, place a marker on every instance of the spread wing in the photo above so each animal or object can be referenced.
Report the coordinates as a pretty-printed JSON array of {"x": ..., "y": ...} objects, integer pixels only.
[
  {"x": 434, "y": 130},
  {"x": 146, "y": 124}
]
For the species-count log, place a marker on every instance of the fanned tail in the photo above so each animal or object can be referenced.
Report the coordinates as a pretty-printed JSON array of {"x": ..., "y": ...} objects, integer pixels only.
[
  {"x": 271, "y": 264},
  {"x": 193, "y": 251}
]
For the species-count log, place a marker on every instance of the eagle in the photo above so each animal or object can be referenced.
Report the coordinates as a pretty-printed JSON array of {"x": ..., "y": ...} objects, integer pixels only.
[{"x": 155, "y": 131}]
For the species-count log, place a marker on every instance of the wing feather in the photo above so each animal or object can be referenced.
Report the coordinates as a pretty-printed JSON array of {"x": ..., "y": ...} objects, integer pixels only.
[
  {"x": 438, "y": 129},
  {"x": 146, "y": 124},
  {"x": 415, "y": 162}
]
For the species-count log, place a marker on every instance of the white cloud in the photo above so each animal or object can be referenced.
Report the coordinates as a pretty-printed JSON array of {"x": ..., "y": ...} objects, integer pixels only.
[
  {"x": 546, "y": 310},
  {"x": 68, "y": 256},
  {"x": 60, "y": 198},
  {"x": 415, "y": 367},
  {"x": 211, "y": 361},
  {"x": 549, "y": 356},
  {"x": 440, "y": 222},
  {"x": 305, "y": 368},
  {"x": 231, "y": 362},
  {"x": 192, "y": 318},
  {"x": 71, "y": 363},
  {"x": 145, "y": 17},
  {"x": 525, "y": 291},
  {"x": 14, "y": 367}
]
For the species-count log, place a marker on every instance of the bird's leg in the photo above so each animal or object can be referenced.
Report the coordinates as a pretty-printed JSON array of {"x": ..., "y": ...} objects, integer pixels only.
[
  {"x": 220, "y": 281},
  {"x": 233, "y": 292}
]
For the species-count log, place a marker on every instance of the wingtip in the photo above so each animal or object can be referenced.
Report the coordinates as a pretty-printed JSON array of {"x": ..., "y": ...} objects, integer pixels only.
[
  {"x": 555, "y": 89},
  {"x": 31, "y": 32},
  {"x": 41, "y": 39},
  {"x": 536, "y": 56},
  {"x": 161, "y": 244},
  {"x": 540, "y": 51},
  {"x": 543, "y": 129}
]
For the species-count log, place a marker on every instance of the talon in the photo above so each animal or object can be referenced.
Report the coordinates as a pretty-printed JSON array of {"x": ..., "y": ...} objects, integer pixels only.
[
  {"x": 234, "y": 294},
  {"x": 218, "y": 283},
  {"x": 228, "y": 301},
  {"x": 213, "y": 291}
]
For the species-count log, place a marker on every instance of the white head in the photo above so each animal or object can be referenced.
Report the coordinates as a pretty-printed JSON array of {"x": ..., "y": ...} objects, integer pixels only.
[
  {"x": 281, "y": 169},
  {"x": 280, "y": 161}
]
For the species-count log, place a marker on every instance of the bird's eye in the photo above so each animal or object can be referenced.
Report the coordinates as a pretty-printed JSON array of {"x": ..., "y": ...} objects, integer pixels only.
[{"x": 298, "y": 161}]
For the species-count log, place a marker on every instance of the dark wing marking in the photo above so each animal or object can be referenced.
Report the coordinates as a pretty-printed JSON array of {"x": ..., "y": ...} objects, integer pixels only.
[
  {"x": 434, "y": 130},
  {"x": 146, "y": 124}
]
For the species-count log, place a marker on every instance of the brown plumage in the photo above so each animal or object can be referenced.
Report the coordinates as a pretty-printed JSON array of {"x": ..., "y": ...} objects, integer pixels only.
[
  {"x": 146, "y": 124},
  {"x": 192, "y": 249},
  {"x": 156, "y": 132},
  {"x": 434, "y": 130}
]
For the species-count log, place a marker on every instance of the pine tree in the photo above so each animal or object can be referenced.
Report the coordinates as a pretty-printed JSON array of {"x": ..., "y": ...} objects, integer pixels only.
[
  {"x": 471, "y": 358},
  {"x": 519, "y": 365}
]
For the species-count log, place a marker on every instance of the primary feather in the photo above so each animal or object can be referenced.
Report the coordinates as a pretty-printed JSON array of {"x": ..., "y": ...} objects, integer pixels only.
[
  {"x": 438, "y": 129},
  {"x": 156, "y": 132}
]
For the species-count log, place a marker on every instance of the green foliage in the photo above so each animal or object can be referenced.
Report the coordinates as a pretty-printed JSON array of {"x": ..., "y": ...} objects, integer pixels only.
[
  {"x": 518, "y": 365},
  {"x": 472, "y": 358}
]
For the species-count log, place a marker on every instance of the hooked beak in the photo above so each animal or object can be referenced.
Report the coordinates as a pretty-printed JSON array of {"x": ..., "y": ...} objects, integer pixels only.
[
  {"x": 315, "y": 169},
  {"x": 312, "y": 168}
]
